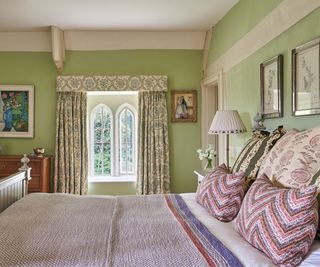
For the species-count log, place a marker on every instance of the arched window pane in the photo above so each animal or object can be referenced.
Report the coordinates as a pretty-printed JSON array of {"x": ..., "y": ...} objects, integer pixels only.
[
  {"x": 102, "y": 141},
  {"x": 126, "y": 136}
]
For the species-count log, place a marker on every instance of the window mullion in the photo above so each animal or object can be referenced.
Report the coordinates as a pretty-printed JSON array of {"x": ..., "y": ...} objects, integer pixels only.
[{"x": 102, "y": 139}]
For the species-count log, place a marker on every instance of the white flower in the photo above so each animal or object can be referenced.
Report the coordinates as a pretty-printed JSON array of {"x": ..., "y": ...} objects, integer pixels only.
[{"x": 208, "y": 153}]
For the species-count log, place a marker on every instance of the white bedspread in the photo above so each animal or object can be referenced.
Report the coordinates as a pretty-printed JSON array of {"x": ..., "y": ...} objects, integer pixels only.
[{"x": 228, "y": 235}]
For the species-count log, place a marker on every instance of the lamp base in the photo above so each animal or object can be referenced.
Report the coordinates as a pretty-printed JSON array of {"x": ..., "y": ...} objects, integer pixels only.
[{"x": 227, "y": 151}]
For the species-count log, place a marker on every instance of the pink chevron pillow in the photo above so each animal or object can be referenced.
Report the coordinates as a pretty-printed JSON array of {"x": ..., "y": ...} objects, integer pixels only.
[
  {"x": 221, "y": 169},
  {"x": 280, "y": 222},
  {"x": 221, "y": 193}
]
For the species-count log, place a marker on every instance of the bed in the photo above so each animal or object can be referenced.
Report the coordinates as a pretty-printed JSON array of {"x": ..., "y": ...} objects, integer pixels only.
[
  {"x": 161, "y": 230},
  {"x": 14, "y": 187}
]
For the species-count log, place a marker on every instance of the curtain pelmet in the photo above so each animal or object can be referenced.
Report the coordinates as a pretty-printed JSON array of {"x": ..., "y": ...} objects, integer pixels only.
[{"x": 112, "y": 83}]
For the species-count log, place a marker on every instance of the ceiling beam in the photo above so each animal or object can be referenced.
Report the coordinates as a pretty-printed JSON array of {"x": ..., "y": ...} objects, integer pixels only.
[{"x": 58, "y": 47}]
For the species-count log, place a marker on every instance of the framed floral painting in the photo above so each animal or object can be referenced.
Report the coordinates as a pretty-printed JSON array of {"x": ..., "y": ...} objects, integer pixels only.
[
  {"x": 17, "y": 111},
  {"x": 305, "y": 79},
  {"x": 271, "y": 86},
  {"x": 184, "y": 106}
]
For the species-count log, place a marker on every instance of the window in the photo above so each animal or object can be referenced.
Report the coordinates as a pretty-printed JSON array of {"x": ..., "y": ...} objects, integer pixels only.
[
  {"x": 126, "y": 139},
  {"x": 101, "y": 145},
  {"x": 112, "y": 138}
]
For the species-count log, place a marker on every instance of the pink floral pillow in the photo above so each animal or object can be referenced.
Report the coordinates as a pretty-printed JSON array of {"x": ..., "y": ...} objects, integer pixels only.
[
  {"x": 221, "y": 193},
  {"x": 280, "y": 222},
  {"x": 295, "y": 159}
]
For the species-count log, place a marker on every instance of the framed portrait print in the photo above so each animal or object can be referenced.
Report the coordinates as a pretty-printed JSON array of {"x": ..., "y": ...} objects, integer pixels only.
[
  {"x": 16, "y": 111},
  {"x": 271, "y": 88},
  {"x": 305, "y": 79},
  {"x": 184, "y": 106}
]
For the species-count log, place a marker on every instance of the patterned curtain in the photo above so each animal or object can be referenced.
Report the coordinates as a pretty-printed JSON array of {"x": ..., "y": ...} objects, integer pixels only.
[
  {"x": 153, "y": 144},
  {"x": 71, "y": 155},
  {"x": 71, "y": 143}
]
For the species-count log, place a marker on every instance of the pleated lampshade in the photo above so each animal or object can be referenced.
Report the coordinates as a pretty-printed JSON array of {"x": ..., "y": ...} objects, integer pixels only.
[{"x": 227, "y": 122}]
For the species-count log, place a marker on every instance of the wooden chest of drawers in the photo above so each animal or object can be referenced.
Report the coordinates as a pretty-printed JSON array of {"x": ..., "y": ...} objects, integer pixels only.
[{"x": 40, "y": 171}]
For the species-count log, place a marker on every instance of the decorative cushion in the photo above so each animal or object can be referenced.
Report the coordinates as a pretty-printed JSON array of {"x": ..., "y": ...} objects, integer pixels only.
[
  {"x": 221, "y": 193},
  {"x": 254, "y": 153},
  {"x": 221, "y": 169},
  {"x": 280, "y": 222},
  {"x": 295, "y": 159}
]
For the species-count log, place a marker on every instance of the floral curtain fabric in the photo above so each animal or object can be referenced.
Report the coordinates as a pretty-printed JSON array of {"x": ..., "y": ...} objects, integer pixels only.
[
  {"x": 71, "y": 155},
  {"x": 112, "y": 83},
  {"x": 71, "y": 144},
  {"x": 153, "y": 144}
]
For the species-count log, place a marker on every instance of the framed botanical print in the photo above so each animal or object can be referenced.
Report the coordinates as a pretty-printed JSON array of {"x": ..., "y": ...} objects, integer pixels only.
[
  {"x": 305, "y": 79},
  {"x": 184, "y": 106},
  {"x": 16, "y": 111},
  {"x": 271, "y": 88}
]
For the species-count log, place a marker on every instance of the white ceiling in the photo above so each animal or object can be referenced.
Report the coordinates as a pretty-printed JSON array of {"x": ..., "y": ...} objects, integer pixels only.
[{"x": 139, "y": 15}]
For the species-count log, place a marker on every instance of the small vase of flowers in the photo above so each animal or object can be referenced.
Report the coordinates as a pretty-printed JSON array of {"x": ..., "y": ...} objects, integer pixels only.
[{"x": 209, "y": 154}]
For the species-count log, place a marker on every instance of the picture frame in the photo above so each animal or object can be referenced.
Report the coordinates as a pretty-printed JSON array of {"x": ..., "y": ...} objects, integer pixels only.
[
  {"x": 305, "y": 79},
  {"x": 184, "y": 106},
  {"x": 271, "y": 88},
  {"x": 17, "y": 111}
]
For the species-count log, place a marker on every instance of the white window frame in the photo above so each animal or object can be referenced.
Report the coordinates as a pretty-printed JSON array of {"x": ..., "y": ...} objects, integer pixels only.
[
  {"x": 117, "y": 135},
  {"x": 114, "y": 177},
  {"x": 92, "y": 176}
]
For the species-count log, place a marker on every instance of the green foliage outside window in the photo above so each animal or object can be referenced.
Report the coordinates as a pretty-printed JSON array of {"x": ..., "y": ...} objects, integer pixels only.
[
  {"x": 102, "y": 142},
  {"x": 126, "y": 142}
]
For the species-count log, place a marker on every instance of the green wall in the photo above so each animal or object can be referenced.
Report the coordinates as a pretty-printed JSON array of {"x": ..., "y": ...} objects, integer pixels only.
[
  {"x": 243, "y": 80},
  {"x": 236, "y": 23},
  {"x": 37, "y": 69},
  {"x": 183, "y": 68}
]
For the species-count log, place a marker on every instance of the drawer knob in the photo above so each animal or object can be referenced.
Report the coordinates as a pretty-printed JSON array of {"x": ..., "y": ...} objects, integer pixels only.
[{"x": 3, "y": 165}]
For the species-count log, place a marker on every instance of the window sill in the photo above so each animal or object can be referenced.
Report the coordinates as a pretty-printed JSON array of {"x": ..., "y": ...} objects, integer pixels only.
[{"x": 112, "y": 179}]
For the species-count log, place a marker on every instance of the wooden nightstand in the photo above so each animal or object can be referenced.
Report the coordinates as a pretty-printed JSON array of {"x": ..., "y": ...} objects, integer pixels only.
[
  {"x": 40, "y": 171},
  {"x": 200, "y": 175}
]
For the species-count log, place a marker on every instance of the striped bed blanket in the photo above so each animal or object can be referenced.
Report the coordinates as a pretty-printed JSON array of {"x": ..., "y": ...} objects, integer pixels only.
[{"x": 67, "y": 230}]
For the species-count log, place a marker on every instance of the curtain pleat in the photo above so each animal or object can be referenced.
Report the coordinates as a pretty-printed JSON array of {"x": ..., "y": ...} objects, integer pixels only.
[
  {"x": 153, "y": 144},
  {"x": 71, "y": 156}
]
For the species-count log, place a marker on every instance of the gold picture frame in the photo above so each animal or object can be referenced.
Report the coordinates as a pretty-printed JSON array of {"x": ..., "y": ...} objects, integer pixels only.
[{"x": 184, "y": 105}]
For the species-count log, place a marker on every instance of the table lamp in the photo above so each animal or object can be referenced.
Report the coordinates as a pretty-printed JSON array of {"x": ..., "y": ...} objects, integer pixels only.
[{"x": 227, "y": 122}]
